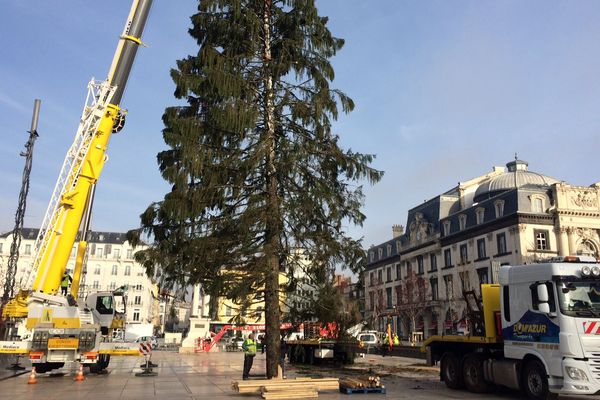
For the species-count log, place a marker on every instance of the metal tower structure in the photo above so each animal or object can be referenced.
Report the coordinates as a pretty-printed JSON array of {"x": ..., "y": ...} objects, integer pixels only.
[{"x": 13, "y": 258}]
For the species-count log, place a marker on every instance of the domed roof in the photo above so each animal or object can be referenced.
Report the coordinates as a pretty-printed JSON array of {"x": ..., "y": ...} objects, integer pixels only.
[{"x": 517, "y": 176}]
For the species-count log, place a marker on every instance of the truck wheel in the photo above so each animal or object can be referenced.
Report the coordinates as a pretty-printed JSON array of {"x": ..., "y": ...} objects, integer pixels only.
[
  {"x": 451, "y": 371},
  {"x": 535, "y": 381},
  {"x": 473, "y": 374}
]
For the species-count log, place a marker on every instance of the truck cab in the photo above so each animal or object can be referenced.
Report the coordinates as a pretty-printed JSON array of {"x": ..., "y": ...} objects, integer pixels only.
[
  {"x": 551, "y": 313},
  {"x": 538, "y": 331}
]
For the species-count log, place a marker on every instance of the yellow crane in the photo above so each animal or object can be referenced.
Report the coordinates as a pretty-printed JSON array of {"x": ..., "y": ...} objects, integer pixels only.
[{"x": 63, "y": 329}]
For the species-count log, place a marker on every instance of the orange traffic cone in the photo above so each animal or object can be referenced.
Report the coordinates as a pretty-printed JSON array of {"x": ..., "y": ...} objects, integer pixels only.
[
  {"x": 32, "y": 380},
  {"x": 79, "y": 377}
]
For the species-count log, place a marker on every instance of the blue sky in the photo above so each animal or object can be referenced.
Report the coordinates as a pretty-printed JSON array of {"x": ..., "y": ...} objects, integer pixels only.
[{"x": 444, "y": 90}]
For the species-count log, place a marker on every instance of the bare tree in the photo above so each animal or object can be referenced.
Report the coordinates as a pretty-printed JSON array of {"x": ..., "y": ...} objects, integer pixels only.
[{"x": 415, "y": 298}]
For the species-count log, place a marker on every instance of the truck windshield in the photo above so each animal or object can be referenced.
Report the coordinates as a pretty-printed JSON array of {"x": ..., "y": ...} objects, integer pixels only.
[{"x": 579, "y": 298}]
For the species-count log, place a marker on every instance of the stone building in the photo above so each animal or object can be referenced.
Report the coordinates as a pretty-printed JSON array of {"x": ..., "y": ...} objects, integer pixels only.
[
  {"x": 110, "y": 265},
  {"x": 460, "y": 238}
]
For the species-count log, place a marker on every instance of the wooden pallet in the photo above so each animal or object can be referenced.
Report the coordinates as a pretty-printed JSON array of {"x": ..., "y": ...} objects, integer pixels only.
[{"x": 347, "y": 390}]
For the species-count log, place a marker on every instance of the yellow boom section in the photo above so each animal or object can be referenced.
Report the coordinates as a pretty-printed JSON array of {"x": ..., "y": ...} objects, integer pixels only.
[{"x": 73, "y": 204}]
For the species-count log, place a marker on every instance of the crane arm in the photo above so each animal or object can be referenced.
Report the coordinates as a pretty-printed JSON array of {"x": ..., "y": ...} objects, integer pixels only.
[{"x": 73, "y": 194}]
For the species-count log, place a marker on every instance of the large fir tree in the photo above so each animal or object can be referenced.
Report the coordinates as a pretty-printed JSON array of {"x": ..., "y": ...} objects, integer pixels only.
[{"x": 256, "y": 172}]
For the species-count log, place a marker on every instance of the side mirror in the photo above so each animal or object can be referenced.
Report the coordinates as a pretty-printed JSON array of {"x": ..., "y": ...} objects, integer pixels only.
[{"x": 542, "y": 292}]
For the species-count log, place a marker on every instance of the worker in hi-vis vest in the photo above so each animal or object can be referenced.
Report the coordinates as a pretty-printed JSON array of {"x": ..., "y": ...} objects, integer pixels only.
[
  {"x": 64, "y": 284},
  {"x": 249, "y": 347}
]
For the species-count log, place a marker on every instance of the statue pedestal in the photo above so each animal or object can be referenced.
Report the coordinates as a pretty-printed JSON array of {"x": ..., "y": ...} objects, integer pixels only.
[{"x": 199, "y": 328}]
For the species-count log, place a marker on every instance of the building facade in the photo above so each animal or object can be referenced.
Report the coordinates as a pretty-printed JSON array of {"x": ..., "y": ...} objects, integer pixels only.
[
  {"x": 460, "y": 238},
  {"x": 110, "y": 265}
]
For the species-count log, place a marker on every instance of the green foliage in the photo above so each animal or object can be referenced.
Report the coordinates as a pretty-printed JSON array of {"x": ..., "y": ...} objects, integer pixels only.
[{"x": 221, "y": 154}]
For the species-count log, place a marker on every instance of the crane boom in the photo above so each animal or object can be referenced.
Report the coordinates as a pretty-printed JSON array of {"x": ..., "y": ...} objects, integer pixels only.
[{"x": 73, "y": 194}]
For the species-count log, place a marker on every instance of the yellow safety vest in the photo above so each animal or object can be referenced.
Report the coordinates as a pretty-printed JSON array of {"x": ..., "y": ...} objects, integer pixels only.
[
  {"x": 249, "y": 347},
  {"x": 65, "y": 281}
]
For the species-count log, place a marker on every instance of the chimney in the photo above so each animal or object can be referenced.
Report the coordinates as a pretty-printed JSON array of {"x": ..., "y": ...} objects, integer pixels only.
[{"x": 397, "y": 230}]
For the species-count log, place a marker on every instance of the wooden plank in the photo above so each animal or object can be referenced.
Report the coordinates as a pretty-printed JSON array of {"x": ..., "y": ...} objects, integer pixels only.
[{"x": 253, "y": 386}]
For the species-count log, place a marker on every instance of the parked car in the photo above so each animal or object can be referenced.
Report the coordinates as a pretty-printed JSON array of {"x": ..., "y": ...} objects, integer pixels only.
[
  {"x": 369, "y": 339},
  {"x": 235, "y": 343},
  {"x": 151, "y": 339}
]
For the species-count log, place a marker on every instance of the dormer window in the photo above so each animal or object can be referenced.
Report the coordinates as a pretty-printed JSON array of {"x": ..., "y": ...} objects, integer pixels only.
[
  {"x": 480, "y": 214},
  {"x": 446, "y": 228},
  {"x": 499, "y": 206},
  {"x": 537, "y": 204},
  {"x": 462, "y": 222},
  {"x": 380, "y": 253},
  {"x": 372, "y": 256},
  {"x": 398, "y": 246},
  {"x": 389, "y": 250}
]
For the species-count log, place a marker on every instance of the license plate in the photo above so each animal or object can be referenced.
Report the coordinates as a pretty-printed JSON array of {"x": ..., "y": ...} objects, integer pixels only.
[{"x": 63, "y": 343}]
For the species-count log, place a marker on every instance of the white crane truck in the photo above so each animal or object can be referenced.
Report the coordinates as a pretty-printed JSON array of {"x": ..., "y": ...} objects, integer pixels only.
[{"x": 68, "y": 329}]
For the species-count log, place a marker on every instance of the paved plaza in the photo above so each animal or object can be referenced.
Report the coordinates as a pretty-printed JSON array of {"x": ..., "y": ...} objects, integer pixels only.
[{"x": 209, "y": 376}]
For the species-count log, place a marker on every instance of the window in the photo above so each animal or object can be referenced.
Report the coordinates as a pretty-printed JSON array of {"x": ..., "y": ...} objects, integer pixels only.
[
  {"x": 446, "y": 228},
  {"x": 371, "y": 279},
  {"x": 537, "y": 205},
  {"x": 388, "y": 273},
  {"x": 409, "y": 269},
  {"x": 398, "y": 271},
  {"x": 535, "y": 301},
  {"x": 501, "y": 243},
  {"x": 398, "y": 295},
  {"x": 28, "y": 249},
  {"x": 107, "y": 249},
  {"x": 97, "y": 270},
  {"x": 465, "y": 280},
  {"x": 499, "y": 207},
  {"x": 480, "y": 214},
  {"x": 398, "y": 246},
  {"x": 117, "y": 254},
  {"x": 380, "y": 277},
  {"x": 464, "y": 255},
  {"x": 447, "y": 258},
  {"x": 380, "y": 253},
  {"x": 372, "y": 300},
  {"x": 541, "y": 240},
  {"x": 506, "y": 302},
  {"x": 389, "y": 250},
  {"x": 127, "y": 270},
  {"x": 420, "y": 270},
  {"x": 99, "y": 252},
  {"x": 449, "y": 287},
  {"x": 481, "y": 249},
  {"x": 482, "y": 274},
  {"x": 115, "y": 270},
  {"x": 433, "y": 262},
  {"x": 129, "y": 253},
  {"x": 136, "y": 315},
  {"x": 388, "y": 295},
  {"x": 462, "y": 222},
  {"x": 137, "y": 300},
  {"x": 1, "y": 247},
  {"x": 112, "y": 286},
  {"x": 96, "y": 285},
  {"x": 433, "y": 282}
]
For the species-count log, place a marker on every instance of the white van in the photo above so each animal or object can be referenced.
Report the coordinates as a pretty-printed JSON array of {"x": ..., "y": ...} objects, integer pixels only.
[{"x": 369, "y": 339}]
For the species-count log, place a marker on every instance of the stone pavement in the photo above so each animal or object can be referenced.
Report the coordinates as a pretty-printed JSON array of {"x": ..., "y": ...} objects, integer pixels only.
[{"x": 209, "y": 376}]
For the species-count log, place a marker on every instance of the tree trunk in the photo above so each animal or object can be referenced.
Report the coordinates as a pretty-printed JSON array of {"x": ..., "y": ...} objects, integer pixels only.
[{"x": 272, "y": 317}]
